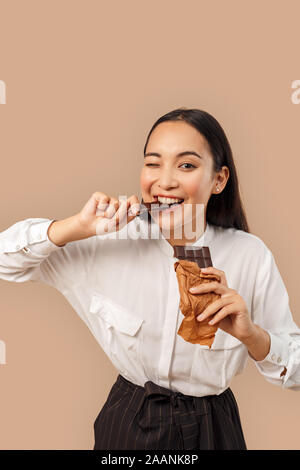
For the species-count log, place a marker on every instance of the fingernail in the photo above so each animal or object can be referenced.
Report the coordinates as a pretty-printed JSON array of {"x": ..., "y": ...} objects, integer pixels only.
[
  {"x": 200, "y": 317},
  {"x": 204, "y": 270},
  {"x": 193, "y": 289}
]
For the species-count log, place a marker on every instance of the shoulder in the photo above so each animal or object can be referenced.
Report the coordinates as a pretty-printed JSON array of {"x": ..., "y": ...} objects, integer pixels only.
[{"x": 239, "y": 241}]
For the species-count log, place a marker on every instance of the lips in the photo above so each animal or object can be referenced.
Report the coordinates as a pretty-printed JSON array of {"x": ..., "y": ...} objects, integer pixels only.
[
  {"x": 169, "y": 197},
  {"x": 167, "y": 200},
  {"x": 176, "y": 203},
  {"x": 172, "y": 206}
]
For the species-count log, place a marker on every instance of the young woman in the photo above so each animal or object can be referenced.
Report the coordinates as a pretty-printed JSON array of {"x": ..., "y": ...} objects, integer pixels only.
[{"x": 170, "y": 393}]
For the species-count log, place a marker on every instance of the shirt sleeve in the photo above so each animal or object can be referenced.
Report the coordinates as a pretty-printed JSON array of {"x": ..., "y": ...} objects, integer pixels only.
[
  {"x": 271, "y": 311},
  {"x": 27, "y": 254}
]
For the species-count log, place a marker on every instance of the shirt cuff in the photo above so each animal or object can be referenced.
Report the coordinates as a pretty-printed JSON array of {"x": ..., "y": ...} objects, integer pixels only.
[
  {"x": 277, "y": 358},
  {"x": 38, "y": 241}
]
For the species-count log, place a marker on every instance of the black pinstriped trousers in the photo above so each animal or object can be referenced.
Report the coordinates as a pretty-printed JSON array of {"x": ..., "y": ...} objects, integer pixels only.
[{"x": 156, "y": 418}]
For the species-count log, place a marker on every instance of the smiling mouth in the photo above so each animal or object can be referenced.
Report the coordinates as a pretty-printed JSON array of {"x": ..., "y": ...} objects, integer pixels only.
[
  {"x": 166, "y": 205},
  {"x": 156, "y": 206}
]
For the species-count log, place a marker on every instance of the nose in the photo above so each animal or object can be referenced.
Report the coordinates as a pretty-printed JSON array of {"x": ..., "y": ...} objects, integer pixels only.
[{"x": 166, "y": 180}]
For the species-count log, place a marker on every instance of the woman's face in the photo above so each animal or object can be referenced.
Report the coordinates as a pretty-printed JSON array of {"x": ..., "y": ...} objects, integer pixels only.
[{"x": 188, "y": 176}]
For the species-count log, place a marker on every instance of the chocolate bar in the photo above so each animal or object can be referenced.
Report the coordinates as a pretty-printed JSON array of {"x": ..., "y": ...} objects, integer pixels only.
[
  {"x": 188, "y": 272},
  {"x": 200, "y": 255},
  {"x": 146, "y": 207},
  {"x": 156, "y": 206}
]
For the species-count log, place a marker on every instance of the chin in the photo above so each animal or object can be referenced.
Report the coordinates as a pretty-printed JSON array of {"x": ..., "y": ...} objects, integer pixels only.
[{"x": 169, "y": 223}]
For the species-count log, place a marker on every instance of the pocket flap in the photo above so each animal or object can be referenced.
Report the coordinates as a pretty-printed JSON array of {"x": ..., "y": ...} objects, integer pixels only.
[
  {"x": 115, "y": 314},
  {"x": 224, "y": 340}
]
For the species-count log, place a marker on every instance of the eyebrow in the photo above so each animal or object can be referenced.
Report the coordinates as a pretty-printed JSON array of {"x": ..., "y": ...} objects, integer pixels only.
[{"x": 181, "y": 154}]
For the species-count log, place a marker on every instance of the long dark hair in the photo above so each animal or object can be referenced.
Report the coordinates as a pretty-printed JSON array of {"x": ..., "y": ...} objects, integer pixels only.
[{"x": 224, "y": 209}]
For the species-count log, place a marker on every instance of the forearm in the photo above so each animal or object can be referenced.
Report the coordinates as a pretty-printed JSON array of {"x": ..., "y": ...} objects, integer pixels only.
[
  {"x": 258, "y": 344},
  {"x": 61, "y": 232}
]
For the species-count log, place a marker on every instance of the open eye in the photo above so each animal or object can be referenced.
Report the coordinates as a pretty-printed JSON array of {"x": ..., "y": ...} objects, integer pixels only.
[{"x": 188, "y": 164}]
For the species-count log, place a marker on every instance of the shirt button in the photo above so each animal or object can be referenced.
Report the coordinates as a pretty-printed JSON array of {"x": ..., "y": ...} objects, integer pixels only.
[
  {"x": 17, "y": 247},
  {"x": 279, "y": 360},
  {"x": 273, "y": 357}
]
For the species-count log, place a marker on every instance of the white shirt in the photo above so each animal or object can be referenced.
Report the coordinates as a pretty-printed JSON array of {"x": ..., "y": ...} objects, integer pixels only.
[{"x": 126, "y": 292}]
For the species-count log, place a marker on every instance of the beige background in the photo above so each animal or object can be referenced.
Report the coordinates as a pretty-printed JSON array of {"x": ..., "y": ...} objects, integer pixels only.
[{"x": 85, "y": 82}]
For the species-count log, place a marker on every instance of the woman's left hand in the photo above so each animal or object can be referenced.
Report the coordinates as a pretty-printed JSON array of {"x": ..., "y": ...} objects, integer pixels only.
[{"x": 229, "y": 312}]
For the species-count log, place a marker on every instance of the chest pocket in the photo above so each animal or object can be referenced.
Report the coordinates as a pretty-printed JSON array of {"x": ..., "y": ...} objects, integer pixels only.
[
  {"x": 121, "y": 331},
  {"x": 224, "y": 340}
]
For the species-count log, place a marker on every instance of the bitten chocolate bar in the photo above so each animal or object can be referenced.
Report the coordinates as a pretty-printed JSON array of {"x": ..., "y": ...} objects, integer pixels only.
[
  {"x": 188, "y": 272},
  {"x": 146, "y": 206},
  {"x": 200, "y": 255},
  {"x": 153, "y": 206}
]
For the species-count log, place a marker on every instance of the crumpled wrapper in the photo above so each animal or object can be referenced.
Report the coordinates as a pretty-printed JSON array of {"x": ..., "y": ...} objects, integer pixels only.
[{"x": 191, "y": 305}]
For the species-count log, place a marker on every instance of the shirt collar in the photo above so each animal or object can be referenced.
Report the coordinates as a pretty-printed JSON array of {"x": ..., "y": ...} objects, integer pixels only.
[
  {"x": 167, "y": 248},
  {"x": 204, "y": 239}
]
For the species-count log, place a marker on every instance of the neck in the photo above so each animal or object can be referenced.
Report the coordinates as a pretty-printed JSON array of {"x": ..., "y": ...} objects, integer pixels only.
[{"x": 185, "y": 241}]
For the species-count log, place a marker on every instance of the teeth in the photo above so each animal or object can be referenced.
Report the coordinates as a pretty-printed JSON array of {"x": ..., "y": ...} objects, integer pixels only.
[{"x": 168, "y": 200}]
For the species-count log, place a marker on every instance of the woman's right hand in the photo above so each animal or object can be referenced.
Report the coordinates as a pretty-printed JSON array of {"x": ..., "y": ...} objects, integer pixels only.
[{"x": 105, "y": 214}]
